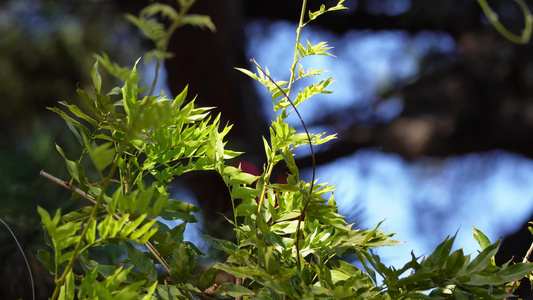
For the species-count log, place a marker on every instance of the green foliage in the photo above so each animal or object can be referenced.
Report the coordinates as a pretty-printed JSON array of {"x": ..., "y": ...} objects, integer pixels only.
[{"x": 290, "y": 238}]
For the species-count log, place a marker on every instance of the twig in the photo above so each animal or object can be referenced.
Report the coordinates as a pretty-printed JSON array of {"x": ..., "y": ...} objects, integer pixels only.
[
  {"x": 88, "y": 197},
  {"x": 525, "y": 260},
  {"x": 66, "y": 185},
  {"x": 238, "y": 281}
]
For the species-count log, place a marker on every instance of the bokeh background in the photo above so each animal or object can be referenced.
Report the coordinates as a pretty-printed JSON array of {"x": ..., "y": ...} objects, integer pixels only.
[{"x": 434, "y": 111}]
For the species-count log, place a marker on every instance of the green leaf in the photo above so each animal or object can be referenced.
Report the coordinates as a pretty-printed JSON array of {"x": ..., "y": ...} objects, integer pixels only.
[
  {"x": 232, "y": 290},
  {"x": 97, "y": 79},
  {"x": 207, "y": 279},
  {"x": 322, "y": 10},
  {"x": 144, "y": 233},
  {"x": 68, "y": 288},
  {"x": 483, "y": 258},
  {"x": 113, "y": 282},
  {"x": 79, "y": 113},
  {"x": 72, "y": 167},
  {"x": 180, "y": 265},
  {"x": 141, "y": 261},
  {"x": 90, "y": 237},
  {"x": 441, "y": 253},
  {"x": 237, "y": 176},
  {"x": 314, "y": 89},
  {"x": 455, "y": 263},
  {"x": 420, "y": 275},
  {"x": 175, "y": 209},
  {"x": 90, "y": 102},
  {"x": 45, "y": 258},
  {"x": 245, "y": 193},
  {"x": 101, "y": 155},
  {"x": 150, "y": 292},
  {"x": 165, "y": 10},
  {"x": 112, "y": 67},
  {"x": 516, "y": 272},
  {"x": 132, "y": 225},
  {"x": 71, "y": 123},
  {"x": 484, "y": 293},
  {"x": 79, "y": 215},
  {"x": 199, "y": 21},
  {"x": 481, "y": 238},
  {"x": 220, "y": 244},
  {"x": 246, "y": 208}
]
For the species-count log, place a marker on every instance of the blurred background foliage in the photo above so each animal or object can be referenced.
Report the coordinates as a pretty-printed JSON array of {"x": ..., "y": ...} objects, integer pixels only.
[{"x": 431, "y": 104}]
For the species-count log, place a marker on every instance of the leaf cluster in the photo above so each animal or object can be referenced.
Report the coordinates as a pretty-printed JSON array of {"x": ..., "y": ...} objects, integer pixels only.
[{"x": 290, "y": 237}]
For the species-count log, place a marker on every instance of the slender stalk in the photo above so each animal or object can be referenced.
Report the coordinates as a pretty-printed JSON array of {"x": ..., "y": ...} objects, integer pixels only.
[
  {"x": 268, "y": 173},
  {"x": 296, "y": 55},
  {"x": 24, "y": 256},
  {"x": 524, "y": 260},
  {"x": 493, "y": 18},
  {"x": 238, "y": 281}
]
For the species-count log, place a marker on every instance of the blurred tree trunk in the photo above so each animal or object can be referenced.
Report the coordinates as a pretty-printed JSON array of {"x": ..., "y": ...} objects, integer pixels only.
[{"x": 205, "y": 61}]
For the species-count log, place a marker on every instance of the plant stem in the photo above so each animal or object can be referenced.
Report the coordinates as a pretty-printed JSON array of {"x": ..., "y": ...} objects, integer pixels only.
[
  {"x": 268, "y": 173},
  {"x": 524, "y": 260},
  {"x": 24, "y": 256},
  {"x": 296, "y": 55},
  {"x": 493, "y": 18}
]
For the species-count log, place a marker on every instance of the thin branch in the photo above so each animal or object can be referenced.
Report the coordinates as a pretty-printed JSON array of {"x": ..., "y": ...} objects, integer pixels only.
[
  {"x": 88, "y": 197},
  {"x": 66, "y": 185},
  {"x": 23, "y": 255},
  {"x": 493, "y": 18},
  {"x": 525, "y": 260}
]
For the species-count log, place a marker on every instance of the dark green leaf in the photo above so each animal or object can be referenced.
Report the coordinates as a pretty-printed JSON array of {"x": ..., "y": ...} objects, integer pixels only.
[
  {"x": 45, "y": 258},
  {"x": 207, "y": 279},
  {"x": 179, "y": 267},
  {"x": 455, "y": 263},
  {"x": 141, "y": 261},
  {"x": 79, "y": 215},
  {"x": 220, "y": 244},
  {"x": 232, "y": 290},
  {"x": 483, "y": 259},
  {"x": 516, "y": 272},
  {"x": 175, "y": 209}
]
